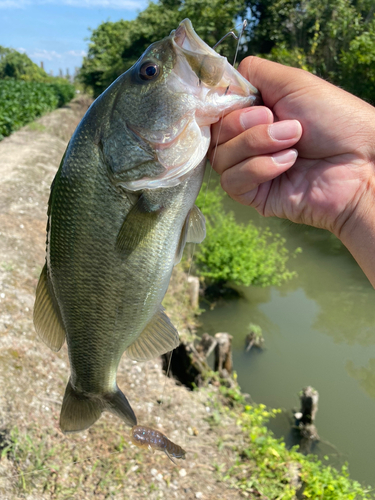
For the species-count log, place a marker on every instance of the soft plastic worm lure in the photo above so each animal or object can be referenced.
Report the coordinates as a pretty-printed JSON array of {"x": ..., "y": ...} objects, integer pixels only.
[{"x": 146, "y": 437}]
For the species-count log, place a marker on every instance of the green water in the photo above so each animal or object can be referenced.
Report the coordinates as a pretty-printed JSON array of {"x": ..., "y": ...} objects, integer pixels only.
[{"x": 319, "y": 330}]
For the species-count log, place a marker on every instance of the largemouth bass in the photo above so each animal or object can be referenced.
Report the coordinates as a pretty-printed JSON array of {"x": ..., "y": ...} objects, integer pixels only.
[{"x": 120, "y": 211}]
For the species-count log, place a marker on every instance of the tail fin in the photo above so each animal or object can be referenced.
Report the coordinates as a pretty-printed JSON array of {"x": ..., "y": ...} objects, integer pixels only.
[
  {"x": 117, "y": 404},
  {"x": 79, "y": 411}
]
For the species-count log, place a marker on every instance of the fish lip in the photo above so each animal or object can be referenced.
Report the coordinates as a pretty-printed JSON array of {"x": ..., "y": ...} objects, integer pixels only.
[
  {"x": 186, "y": 40},
  {"x": 186, "y": 32}
]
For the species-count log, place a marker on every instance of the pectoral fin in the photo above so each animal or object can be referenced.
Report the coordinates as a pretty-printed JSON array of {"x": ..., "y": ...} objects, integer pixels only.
[
  {"x": 159, "y": 337},
  {"x": 196, "y": 232},
  {"x": 193, "y": 231},
  {"x": 47, "y": 317},
  {"x": 137, "y": 225}
]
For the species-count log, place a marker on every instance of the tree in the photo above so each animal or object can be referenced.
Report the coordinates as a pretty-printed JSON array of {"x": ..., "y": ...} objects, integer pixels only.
[
  {"x": 358, "y": 64},
  {"x": 331, "y": 39},
  {"x": 115, "y": 47},
  {"x": 13, "y": 64}
]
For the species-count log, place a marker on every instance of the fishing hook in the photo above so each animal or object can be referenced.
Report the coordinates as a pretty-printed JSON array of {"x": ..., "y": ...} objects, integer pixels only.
[{"x": 232, "y": 33}]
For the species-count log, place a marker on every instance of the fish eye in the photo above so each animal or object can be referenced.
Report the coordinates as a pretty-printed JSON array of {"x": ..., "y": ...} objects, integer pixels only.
[{"x": 149, "y": 71}]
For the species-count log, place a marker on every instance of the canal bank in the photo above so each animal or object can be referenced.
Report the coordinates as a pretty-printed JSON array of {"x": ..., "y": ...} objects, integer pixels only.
[{"x": 319, "y": 330}]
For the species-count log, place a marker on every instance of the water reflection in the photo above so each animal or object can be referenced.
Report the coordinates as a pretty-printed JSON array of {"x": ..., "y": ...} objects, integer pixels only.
[{"x": 365, "y": 376}]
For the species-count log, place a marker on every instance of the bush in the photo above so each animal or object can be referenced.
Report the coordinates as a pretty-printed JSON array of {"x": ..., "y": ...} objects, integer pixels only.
[
  {"x": 243, "y": 254},
  {"x": 64, "y": 91},
  {"x": 21, "y": 102}
]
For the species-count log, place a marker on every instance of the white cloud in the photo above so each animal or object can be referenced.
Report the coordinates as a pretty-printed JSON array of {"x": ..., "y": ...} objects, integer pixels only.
[
  {"x": 76, "y": 53},
  {"x": 109, "y": 4},
  {"x": 52, "y": 55},
  {"x": 44, "y": 54}
]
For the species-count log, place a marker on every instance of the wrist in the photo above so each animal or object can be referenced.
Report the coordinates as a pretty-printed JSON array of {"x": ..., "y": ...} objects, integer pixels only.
[{"x": 357, "y": 233}]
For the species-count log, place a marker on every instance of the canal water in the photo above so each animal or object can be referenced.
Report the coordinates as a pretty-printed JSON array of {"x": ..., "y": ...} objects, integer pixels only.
[{"x": 319, "y": 330}]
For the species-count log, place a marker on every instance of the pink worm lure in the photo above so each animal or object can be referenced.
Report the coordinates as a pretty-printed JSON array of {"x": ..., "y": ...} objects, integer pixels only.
[{"x": 146, "y": 437}]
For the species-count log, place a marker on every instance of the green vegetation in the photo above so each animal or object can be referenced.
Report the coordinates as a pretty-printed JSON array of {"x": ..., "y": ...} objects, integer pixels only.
[
  {"x": 335, "y": 40},
  {"x": 243, "y": 254},
  {"x": 267, "y": 469},
  {"x": 26, "y": 91},
  {"x": 15, "y": 65},
  {"x": 22, "y": 101},
  {"x": 115, "y": 47}
]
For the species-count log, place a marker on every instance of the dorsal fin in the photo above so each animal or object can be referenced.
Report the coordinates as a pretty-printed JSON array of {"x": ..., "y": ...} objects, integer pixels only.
[{"x": 47, "y": 317}]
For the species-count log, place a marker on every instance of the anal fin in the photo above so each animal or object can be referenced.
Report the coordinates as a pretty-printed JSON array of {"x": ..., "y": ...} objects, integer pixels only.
[
  {"x": 159, "y": 337},
  {"x": 47, "y": 317}
]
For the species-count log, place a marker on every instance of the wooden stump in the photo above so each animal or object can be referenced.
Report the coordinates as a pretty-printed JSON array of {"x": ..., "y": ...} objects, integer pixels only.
[
  {"x": 189, "y": 362},
  {"x": 194, "y": 291},
  {"x": 305, "y": 418},
  {"x": 254, "y": 338},
  {"x": 223, "y": 354},
  {"x": 206, "y": 345}
]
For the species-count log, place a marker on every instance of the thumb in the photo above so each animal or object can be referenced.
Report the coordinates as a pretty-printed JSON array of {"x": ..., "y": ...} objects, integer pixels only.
[{"x": 273, "y": 80}]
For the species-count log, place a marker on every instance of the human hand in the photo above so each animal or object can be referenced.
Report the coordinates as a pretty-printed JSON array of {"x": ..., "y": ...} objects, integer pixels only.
[{"x": 331, "y": 184}]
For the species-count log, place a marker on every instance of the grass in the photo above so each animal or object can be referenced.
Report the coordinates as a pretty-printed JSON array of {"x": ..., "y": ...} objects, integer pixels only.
[
  {"x": 38, "y": 127},
  {"x": 265, "y": 468}
]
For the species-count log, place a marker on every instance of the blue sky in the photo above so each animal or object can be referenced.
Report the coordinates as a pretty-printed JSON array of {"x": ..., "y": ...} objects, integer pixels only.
[{"x": 54, "y": 31}]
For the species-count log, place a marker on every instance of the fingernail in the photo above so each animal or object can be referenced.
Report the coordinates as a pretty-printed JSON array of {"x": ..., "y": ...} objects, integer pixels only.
[
  {"x": 254, "y": 116},
  {"x": 287, "y": 129},
  {"x": 284, "y": 157}
]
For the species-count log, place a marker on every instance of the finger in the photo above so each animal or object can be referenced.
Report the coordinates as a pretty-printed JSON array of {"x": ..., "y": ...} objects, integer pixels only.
[
  {"x": 273, "y": 80},
  {"x": 258, "y": 140},
  {"x": 238, "y": 121},
  {"x": 249, "y": 174}
]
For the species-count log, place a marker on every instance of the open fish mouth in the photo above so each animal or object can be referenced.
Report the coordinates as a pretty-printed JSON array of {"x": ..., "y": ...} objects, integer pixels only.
[
  {"x": 211, "y": 68},
  {"x": 212, "y": 87}
]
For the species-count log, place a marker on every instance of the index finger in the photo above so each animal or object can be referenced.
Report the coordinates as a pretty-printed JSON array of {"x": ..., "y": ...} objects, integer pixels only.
[{"x": 238, "y": 121}]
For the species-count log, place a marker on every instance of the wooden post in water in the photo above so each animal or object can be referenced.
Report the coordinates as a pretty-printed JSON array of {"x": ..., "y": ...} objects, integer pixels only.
[
  {"x": 223, "y": 354},
  {"x": 305, "y": 418}
]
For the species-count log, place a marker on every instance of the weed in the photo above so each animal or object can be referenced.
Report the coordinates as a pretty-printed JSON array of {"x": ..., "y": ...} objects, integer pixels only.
[{"x": 37, "y": 127}]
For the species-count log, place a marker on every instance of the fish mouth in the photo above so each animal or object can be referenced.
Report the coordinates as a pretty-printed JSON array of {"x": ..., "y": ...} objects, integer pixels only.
[
  {"x": 211, "y": 68},
  {"x": 185, "y": 37},
  {"x": 213, "y": 87}
]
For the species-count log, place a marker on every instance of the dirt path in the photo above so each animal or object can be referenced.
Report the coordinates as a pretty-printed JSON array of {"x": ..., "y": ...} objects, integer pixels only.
[{"x": 38, "y": 461}]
